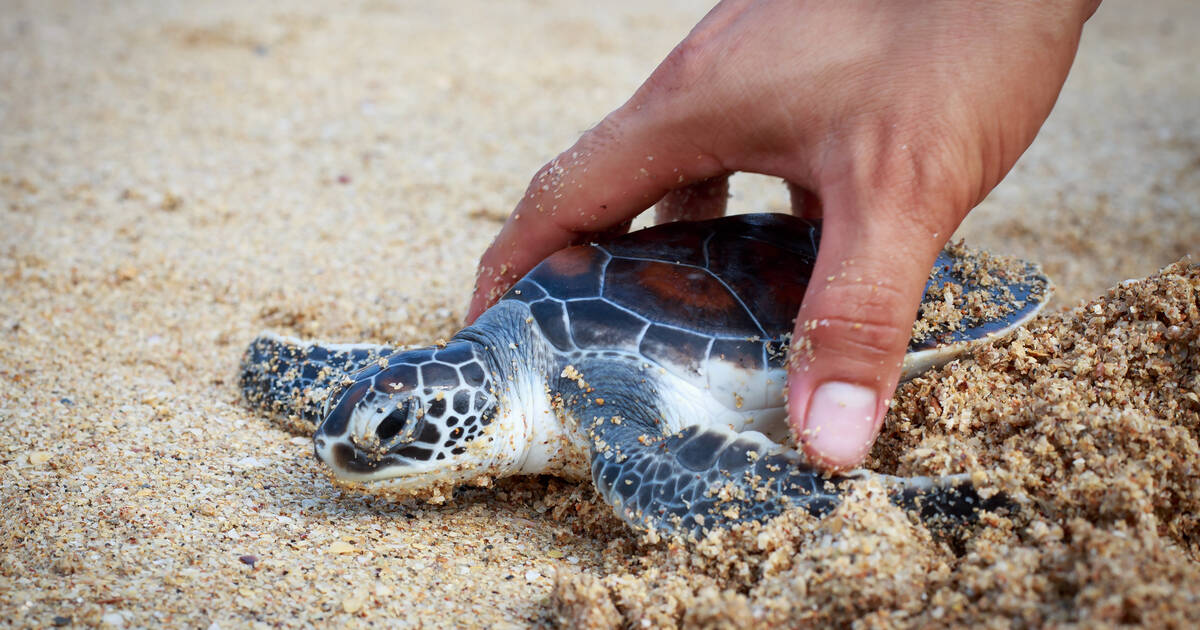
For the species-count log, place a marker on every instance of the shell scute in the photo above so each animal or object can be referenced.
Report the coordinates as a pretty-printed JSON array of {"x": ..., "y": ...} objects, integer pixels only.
[
  {"x": 770, "y": 280},
  {"x": 670, "y": 243},
  {"x": 574, "y": 272},
  {"x": 675, "y": 349},
  {"x": 600, "y": 323},
  {"x": 526, "y": 291},
  {"x": 745, "y": 354},
  {"x": 679, "y": 295},
  {"x": 551, "y": 318}
]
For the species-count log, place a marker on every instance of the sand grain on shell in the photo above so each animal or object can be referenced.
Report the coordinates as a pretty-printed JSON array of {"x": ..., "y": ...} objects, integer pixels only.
[{"x": 177, "y": 177}]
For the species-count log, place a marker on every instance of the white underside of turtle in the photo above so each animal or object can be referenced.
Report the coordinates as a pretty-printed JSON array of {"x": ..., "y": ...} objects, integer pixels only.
[{"x": 652, "y": 364}]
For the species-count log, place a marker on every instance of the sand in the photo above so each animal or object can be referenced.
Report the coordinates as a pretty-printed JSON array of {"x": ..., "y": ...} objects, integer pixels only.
[
  {"x": 177, "y": 177},
  {"x": 1089, "y": 420}
]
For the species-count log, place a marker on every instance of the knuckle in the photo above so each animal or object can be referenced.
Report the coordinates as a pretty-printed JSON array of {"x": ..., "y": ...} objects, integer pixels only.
[
  {"x": 684, "y": 68},
  {"x": 847, "y": 335},
  {"x": 871, "y": 322},
  {"x": 685, "y": 60},
  {"x": 920, "y": 171},
  {"x": 553, "y": 200},
  {"x": 547, "y": 178}
]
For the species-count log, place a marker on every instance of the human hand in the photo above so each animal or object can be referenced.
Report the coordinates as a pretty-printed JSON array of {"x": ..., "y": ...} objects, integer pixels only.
[{"x": 890, "y": 120}]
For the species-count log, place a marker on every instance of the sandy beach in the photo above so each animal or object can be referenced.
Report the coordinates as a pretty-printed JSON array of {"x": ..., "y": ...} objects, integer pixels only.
[{"x": 177, "y": 177}]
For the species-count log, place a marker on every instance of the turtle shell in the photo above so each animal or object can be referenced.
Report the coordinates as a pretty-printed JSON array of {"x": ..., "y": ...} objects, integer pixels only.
[
  {"x": 700, "y": 299},
  {"x": 713, "y": 302}
]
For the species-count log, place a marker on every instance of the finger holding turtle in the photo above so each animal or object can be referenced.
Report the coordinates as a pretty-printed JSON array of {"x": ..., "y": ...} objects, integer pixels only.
[{"x": 891, "y": 120}]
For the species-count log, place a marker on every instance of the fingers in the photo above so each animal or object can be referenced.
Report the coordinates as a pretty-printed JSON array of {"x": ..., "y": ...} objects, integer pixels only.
[
  {"x": 704, "y": 199},
  {"x": 854, "y": 326},
  {"x": 615, "y": 171}
]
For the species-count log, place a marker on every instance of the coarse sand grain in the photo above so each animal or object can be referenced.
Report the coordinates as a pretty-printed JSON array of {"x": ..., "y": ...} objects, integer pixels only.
[
  {"x": 1089, "y": 419},
  {"x": 177, "y": 176}
]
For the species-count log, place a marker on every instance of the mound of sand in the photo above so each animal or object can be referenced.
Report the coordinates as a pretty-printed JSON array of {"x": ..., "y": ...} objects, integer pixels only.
[{"x": 1090, "y": 417}]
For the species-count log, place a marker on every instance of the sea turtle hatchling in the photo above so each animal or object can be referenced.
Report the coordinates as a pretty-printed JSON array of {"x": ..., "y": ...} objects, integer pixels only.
[{"x": 652, "y": 363}]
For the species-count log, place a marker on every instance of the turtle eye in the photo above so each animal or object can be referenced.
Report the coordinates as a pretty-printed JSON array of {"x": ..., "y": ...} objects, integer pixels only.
[{"x": 394, "y": 423}]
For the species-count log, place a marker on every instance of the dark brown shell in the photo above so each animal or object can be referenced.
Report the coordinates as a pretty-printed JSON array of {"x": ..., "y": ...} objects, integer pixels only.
[{"x": 678, "y": 293}]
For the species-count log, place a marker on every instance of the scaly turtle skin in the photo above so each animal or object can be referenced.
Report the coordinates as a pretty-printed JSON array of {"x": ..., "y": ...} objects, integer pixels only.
[{"x": 652, "y": 363}]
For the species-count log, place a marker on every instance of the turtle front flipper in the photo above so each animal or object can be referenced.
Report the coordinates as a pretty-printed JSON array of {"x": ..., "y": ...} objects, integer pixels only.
[
  {"x": 293, "y": 378},
  {"x": 706, "y": 476}
]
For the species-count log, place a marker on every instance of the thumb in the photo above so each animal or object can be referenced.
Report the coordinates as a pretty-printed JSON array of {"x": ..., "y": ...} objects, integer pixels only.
[{"x": 855, "y": 323}]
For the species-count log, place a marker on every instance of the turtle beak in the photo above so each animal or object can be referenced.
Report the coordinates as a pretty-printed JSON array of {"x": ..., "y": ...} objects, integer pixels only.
[
  {"x": 338, "y": 417},
  {"x": 346, "y": 461},
  {"x": 331, "y": 440}
]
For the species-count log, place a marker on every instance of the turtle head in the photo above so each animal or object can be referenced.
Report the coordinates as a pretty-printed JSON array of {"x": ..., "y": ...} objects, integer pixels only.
[{"x": 417, "y": 419}]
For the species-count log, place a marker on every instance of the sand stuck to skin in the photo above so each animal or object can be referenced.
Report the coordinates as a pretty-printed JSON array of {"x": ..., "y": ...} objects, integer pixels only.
[{"x": 177, "y": 177}]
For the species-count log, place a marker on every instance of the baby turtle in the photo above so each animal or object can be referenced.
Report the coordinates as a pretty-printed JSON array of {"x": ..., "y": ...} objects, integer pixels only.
[{"x": 652, "y": 363}]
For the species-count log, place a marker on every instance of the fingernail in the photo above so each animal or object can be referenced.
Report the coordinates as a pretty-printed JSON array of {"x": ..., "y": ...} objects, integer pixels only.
[{"x": 840, "y": 422}]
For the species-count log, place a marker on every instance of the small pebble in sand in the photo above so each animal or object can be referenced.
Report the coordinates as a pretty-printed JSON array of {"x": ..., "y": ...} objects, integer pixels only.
[{"x": 340, "y": 547}]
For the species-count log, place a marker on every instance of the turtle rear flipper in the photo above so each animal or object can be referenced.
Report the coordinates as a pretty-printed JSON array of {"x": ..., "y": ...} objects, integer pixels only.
[
  {"x": 950, "y": 499},
  {"x": 293, "y": 378},
  {"x": 968, "y": 301}
]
